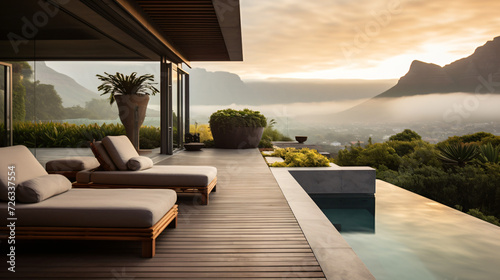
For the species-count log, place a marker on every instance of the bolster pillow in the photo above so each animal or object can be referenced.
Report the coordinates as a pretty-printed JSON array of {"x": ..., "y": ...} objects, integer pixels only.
[{"x": 139, "y": 163}]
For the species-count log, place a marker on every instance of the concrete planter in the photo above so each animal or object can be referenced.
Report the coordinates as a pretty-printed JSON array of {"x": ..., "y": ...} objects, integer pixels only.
[
  {"x": 237, "y": 137},
  {"x": 132, "y": 111}
]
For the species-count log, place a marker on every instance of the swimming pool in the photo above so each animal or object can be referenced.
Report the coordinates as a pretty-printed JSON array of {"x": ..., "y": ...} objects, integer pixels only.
[{"x": 401, "y": 235}]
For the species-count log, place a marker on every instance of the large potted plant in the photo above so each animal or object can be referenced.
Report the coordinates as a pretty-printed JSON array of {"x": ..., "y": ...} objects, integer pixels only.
[
  {"x": 132, "y": 96},
  {"x": 233, "y": 129}
]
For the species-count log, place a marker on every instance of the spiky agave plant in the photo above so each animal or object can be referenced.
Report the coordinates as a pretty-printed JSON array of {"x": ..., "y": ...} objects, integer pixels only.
[
  {"x": 122, "y": 84},
  {"x": 489, "y": 153},
  {"x": 457, "y": 154}
]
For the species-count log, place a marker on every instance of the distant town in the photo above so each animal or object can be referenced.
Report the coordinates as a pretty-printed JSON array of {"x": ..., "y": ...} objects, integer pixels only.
[{"x": 333, "y": 138}]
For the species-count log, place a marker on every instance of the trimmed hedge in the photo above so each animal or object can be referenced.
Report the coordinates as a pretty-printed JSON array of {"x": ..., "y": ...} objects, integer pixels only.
[{"x": 65, "y": 135}]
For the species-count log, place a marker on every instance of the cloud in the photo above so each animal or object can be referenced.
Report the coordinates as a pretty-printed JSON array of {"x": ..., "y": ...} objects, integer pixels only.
[
  {"x": 311, "y": 111},
  {"x": 293, "y": 36}
]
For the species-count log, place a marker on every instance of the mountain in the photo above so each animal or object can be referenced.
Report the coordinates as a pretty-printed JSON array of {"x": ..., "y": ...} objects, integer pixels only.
[
  {"x": 465, "y": 75},
  {"x": 71, "y": 92},
  {"x": 429, "y": 92},
  {"x": 216, "y": 88},
  {"x": 224, "y": 88}
]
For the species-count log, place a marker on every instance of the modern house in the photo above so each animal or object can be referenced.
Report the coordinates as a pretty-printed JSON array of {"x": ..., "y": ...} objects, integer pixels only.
[
  {"x": 171, "y": 33},
  {"x": 261, "y": 223}
]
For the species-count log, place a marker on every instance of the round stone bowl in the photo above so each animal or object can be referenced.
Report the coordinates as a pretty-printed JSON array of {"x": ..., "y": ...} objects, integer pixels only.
[{"x": 301, "y": 139}]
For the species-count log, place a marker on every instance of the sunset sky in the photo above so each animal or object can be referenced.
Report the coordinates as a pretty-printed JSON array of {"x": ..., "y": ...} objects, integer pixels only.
[{"x": 362, "y": 39}]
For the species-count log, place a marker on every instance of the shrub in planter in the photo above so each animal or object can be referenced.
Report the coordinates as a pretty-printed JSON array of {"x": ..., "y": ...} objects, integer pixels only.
[
  {"x": 300, "y": 158},
  {"x": 237, "y": 129}
]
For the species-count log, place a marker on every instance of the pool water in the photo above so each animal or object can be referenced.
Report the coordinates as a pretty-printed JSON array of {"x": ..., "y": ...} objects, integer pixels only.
[{"x": 403, "y": 236}]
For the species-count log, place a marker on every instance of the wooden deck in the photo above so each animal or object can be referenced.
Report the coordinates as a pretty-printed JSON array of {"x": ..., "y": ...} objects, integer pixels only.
[{"x": 247, "y": 231}]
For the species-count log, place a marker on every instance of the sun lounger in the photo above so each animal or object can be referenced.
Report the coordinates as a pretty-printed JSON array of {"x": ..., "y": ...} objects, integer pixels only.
[
  {"x": 122, "y": 167},
  {"x": 46, "y": 207}
]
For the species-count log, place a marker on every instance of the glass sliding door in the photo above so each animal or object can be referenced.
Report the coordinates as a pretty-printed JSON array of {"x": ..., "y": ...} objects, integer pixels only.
[
  {"x": 176, "y": 112},
  {"x": 174, "y": 86},
  {"x": 5, "y": 104},
  {"x": 179, "y": 89},
  {"x": 184, "y": 93},
  {"x": 180, "y": 105}
]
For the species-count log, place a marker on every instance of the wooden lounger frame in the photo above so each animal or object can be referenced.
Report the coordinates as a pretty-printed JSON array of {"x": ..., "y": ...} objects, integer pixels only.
[
  {"x": 204, "y": 190},
  {"x": 146, "y": 235}
]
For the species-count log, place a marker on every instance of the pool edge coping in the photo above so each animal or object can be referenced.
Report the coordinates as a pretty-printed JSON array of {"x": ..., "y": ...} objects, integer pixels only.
[{"x": 336, "y": 258}]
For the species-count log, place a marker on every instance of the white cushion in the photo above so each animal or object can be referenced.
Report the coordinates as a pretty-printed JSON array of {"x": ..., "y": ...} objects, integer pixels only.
[
  {"x": 41, "y": 188},
  {"x": 26, "y": 167},
  {"x": 120, "y": 150},
  {"x": 72, "y": 164},
  {"x": 139, "y": 163},
  {"x": 158, "y": 175},
  {"x": 109, "y": 208}
]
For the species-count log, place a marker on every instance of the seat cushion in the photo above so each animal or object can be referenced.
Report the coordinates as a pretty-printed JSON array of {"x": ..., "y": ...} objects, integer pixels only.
[
  {"x": 102, "y": 156},
  {"x": 72, "y": 164},
  {"x": 41, "y": 188},
  {"x": 120, "y": 208},
  {"x": 120, "y": 150},
  {"x": 26, "y": 167},
  {"x": 158, "y": 175}
]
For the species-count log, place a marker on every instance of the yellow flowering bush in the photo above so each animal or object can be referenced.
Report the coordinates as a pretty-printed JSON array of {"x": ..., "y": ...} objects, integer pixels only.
[
  {"x": 300, "y": 158},
  {"x": 203, "y": 130}
]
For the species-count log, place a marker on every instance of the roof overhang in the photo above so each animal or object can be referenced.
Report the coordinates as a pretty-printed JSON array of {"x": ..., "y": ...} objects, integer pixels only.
[
  {"x": 179, "y": 31},
  {"x": 206, "y": 30}
]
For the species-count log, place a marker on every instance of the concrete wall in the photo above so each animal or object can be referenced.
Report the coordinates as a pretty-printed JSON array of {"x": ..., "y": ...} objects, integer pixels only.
[{"x": 345, "y": 180}]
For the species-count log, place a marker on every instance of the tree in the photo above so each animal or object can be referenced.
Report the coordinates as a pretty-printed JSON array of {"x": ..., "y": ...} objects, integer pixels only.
[
  {"x": 425, "y": 169},
  {"x": 75, "y": 112},
  {"x": 21, "y": 71},
  {"x": 379, "y": 155},
  {"x": 477, "y": 138},
  {"x": 18, "y": 100},
  {"x": 406, "y": 135},
  {"x": 98, "y": 109},
  {"x": 376, "y": 155},
  {"x": 42, "y": 102},
  {"x": 403, "y": 148},
  {"x": 95, "y": 109}
]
